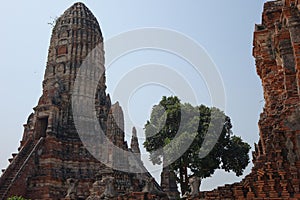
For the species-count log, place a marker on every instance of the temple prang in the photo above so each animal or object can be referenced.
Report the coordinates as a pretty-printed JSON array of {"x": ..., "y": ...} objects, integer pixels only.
[{"x": 52, "y": 162}]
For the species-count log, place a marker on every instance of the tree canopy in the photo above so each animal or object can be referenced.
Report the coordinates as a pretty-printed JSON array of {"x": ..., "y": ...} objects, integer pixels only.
[{"x": 193, "y": 140}]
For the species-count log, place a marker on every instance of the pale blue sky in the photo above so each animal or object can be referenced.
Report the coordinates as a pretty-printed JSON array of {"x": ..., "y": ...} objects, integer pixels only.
[{"x": 223, "y": 28}]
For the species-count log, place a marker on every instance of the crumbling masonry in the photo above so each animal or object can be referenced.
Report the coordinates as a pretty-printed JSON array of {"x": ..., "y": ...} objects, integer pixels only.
[
  {"x": 52, "y": 162},
  {"x": 276, "y": 171}
]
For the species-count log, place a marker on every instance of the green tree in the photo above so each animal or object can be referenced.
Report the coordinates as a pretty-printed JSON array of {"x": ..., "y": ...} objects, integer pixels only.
[{"x": 185, "y": 132}]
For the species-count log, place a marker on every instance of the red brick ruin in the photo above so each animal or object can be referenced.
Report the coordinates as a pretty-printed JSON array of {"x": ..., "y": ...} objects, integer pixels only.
[
  {"x": 52, "y": 162},
  {"x": 276, "y": 171}
]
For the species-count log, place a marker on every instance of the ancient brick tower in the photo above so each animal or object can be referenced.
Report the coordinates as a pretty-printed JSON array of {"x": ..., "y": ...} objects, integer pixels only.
[
  {"x": 277, "y": 53},
  {"x": 51, "y": 155},
  {"x": 276, "y": 171}
]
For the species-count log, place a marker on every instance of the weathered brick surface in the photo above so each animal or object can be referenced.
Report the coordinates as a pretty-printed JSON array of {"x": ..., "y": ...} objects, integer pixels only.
[
  {"x": 51, "y": 152},
  {"x": 276, "y": 171}
]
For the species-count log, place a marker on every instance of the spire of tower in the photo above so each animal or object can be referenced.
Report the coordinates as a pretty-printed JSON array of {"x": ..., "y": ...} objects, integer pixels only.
[
  {"x": 75, "y": 34},
  {"x": 134, "y": 145}
]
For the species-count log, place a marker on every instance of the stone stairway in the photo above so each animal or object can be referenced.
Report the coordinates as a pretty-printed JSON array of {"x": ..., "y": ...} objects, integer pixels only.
[{"x": 10, "y": 174}]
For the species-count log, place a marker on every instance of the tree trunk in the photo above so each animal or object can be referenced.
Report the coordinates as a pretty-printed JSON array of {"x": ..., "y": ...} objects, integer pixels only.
[{"x": 183, "y": 179}]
